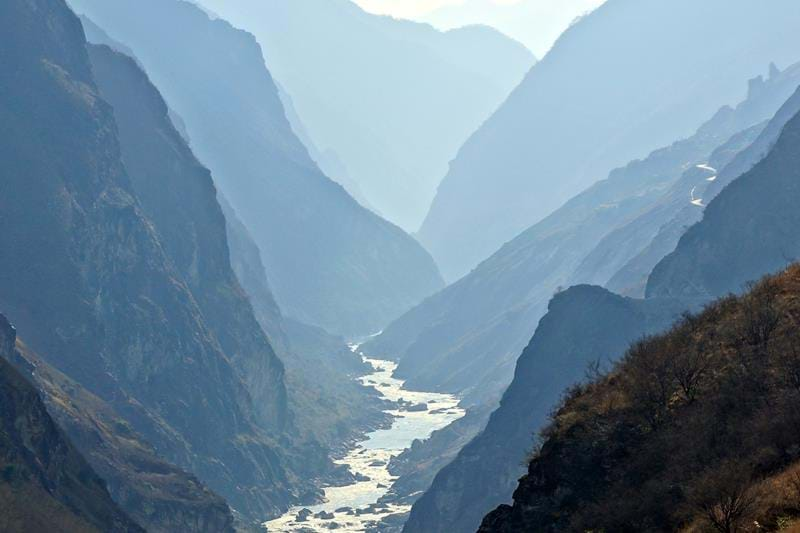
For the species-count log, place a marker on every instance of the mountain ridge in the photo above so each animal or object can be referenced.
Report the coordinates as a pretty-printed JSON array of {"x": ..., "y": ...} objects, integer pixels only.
[
  {"x": 343, "y": 268},
  {"x": 393, "y": 99},
  {"x": 625, "y": 79}
]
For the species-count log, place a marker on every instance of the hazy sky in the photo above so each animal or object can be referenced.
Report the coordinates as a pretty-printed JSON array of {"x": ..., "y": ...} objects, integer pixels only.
[{"x": 536, "y": 23}]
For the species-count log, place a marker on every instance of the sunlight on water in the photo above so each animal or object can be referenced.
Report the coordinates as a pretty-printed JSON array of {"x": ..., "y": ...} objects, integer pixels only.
[{"x": 355, "y": 507}]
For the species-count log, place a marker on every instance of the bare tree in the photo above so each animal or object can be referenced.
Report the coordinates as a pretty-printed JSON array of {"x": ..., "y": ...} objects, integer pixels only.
[
  {"x": 689, "y": 369},
  {"x": 650, "y": 383},
  {"x": 727, "y": 498},
  {"x": 761, "y": 315}
]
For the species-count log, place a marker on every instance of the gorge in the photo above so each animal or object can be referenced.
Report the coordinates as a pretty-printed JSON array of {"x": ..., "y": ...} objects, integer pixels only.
[
  {"x": 208, "y": 207},
  {"x": 358, "y": 506}
]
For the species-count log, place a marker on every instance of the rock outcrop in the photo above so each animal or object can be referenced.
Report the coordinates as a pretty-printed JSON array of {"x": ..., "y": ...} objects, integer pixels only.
[{"x": 45, "y": 484}]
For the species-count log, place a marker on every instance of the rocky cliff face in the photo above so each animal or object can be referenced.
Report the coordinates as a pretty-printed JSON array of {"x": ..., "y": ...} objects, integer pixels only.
[
  {"x": 584, "y": 325},
  {"x": 45, "y": 484},
  {"x": 177, "y": 195},
  {"x": 157, "y": 495},
  {"x": 93, "y": 287},
  {"x": 624, "y": 80},
  {"x": 339, "y": 266}
]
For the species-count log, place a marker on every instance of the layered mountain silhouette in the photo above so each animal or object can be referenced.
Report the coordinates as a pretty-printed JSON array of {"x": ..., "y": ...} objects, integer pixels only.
[
  {"x": 192, "y": 251},
  {"x": 535, "y": 23},
  {"x": 153, "y": 325},
  {"x": 624, "y": 80},
  {"x": 330, "y": 262},
  {"x": 747, "y": 231},
  {"x": 475, "y": 478},
  {"x": 324, "y": 398},
  {"x": 467, "y": 337},
  {"x": 621, "y": 261},
  {"x": 390, "y": 100}
]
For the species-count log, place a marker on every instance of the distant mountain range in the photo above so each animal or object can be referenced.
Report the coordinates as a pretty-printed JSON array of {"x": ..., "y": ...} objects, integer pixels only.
[
  {"x": 330, "y": 262},
  {"x": 622, "y": 81},
  {"x": 467, "y": 337},
  {"x": 736, "y": 358},
  {"x": 535, "y": 23},
  {"x": 386, "y": 102},
  {"x": 485, "y": 471},
  {"x": 181, "y": 280}
]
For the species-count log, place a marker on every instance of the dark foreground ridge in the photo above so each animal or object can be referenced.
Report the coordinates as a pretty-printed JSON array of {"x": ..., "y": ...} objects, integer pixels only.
[{"x": 698, "y": 426}]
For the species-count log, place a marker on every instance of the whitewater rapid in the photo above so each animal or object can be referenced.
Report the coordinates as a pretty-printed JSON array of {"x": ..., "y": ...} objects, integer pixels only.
[{"x": 356, "y": 507}]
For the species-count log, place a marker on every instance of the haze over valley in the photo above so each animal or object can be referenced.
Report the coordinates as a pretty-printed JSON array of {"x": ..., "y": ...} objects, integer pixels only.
[{"x": 399, "y": 266}]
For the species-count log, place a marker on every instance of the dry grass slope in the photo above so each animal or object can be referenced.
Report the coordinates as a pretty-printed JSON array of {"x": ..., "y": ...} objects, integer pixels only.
[{"x": 695, "y": 430}]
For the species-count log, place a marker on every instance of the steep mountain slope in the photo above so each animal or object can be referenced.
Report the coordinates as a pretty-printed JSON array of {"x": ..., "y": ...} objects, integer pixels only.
[
  {"x": 165, "y": 175},
  {"x": 249, "y": 268},
  {"x": 325, "y": 399},
  {"x": 584, "y": 324},
  {"x": 394, "y": 100},
  {"x": 630, "y": 77},
  {"x": 645, "y": 234},
  {"x": 748, "y": 229},
  {"x": 475, "y": 477},
  {"x": 327, "y": 160},
  {"x": 692, "y": 431},
  {"x": 736, "y": 222},
  {"x": 157, "y": 495},
  {"x": 330, "y": 262},
  {"x": 91, "y": 284},
  {"x": 632, "y": 277},
  {"x": 177, "y": 194},
  {"x": 468, "y": 336},
  {"x": 45, "y": 484}
]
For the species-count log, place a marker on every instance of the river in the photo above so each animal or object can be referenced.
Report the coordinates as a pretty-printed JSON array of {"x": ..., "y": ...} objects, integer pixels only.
[{"x": 355, "y": 507}]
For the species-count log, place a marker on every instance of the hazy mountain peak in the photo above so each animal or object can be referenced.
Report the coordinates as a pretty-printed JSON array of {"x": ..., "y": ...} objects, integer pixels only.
[{"x": 394, "y": 99}]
